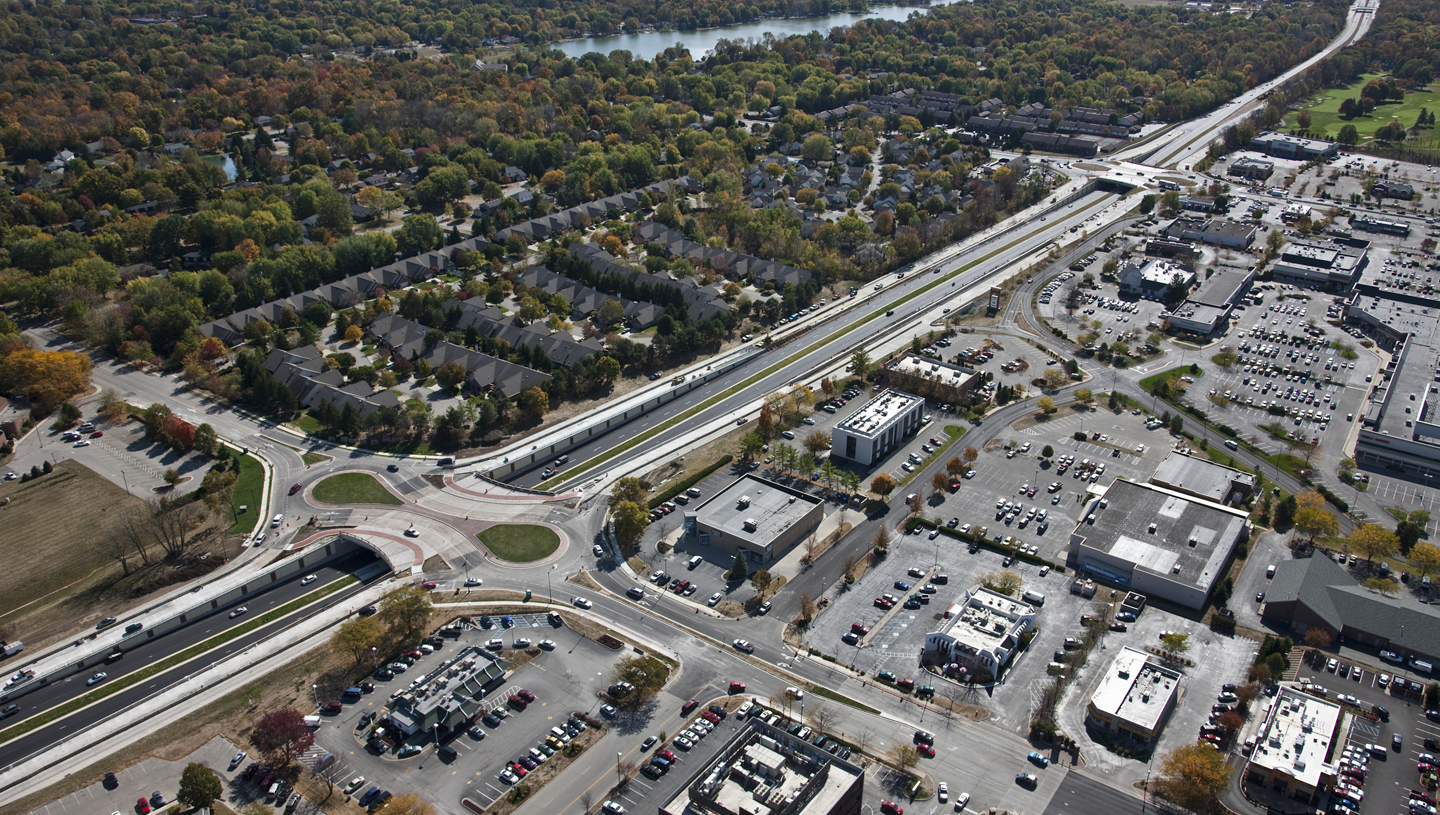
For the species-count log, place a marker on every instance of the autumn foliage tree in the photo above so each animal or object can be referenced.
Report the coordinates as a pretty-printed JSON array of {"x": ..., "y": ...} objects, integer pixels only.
[
  {"x": 47, "y": 378},
  {"x": 1372, "y": 541},
  {"x": 282, "y": 735},
  {"x": 1193, "y": 776}
]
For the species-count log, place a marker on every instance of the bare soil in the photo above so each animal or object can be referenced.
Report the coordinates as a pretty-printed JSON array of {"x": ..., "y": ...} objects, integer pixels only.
[{"x": 58, "y": 577}]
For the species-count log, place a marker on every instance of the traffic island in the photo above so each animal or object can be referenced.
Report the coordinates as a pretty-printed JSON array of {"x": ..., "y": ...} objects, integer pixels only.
[
  {"x": 520, "y": 543},
  {"x": 353, "y": 488}
]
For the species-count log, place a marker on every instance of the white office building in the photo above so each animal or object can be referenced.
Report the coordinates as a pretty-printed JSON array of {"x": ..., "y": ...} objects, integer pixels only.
[{"x": 878, "y": 427}]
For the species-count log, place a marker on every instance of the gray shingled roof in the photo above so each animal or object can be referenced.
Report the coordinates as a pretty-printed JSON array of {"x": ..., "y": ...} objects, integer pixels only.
[{"x": 1309, "y": 581}]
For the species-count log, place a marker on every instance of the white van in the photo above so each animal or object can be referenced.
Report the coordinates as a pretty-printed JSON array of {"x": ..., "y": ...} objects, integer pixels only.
[
  {"x": 1232, "y": 444},
  {"x": 1421, "y": 665},
  {"x": 277, "y": 520},
  {"x": 695, "y": 561},
  {"x": 1035, "y": 598}
]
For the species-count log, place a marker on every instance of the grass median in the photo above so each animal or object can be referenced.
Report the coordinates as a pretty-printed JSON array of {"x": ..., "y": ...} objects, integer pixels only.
[
  {"x": 712, "y": 401},
  {"x": 249, "y": 488},
  {"x": 109, "y": 689},
  {"x": 820, "y": 690}
]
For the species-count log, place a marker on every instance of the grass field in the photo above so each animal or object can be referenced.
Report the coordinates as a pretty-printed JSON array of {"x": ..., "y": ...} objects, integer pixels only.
[
  {"x": 53, "y": 526},
  {"x": 354, "y": 488},
  {"x": 520, "y": 543},
  {"x": 248, "y": 490},
  {"x": 1325, "y": 119}
]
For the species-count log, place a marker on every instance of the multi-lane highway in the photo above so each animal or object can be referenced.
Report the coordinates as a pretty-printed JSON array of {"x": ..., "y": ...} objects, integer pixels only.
[{"x": 159, "y": 648}]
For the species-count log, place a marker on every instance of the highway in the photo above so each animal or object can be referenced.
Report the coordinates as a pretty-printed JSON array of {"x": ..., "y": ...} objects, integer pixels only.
[
  {"x": 852, "y": 329},
  {"x": 162, "y": 647}
]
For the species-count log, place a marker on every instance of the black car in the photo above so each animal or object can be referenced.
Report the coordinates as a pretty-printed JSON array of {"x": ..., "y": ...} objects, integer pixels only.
[
  {"x": 491, "y": 719},
  {"x": 8, "y": 711},
  {"x": 368, "y": 610},
  {"x": 394, "y": 468},
  {"x": 111, "y": 782},
  {"x": 367, "y": 687},
  {"x": 384, "y": 674}
]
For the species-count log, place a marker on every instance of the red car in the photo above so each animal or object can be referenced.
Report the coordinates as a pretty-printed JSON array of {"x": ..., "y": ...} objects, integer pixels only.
[
  {"x": 97, "y": 434},
  {"x": 925, "y": 750},
  {"x": 526, "y": 695},
  {"x": 294, "y": 488},
  {"x": 891, "y": 808},
  {"x": 428, "y": 584},
  {"x": 737, "y": 687},
  {"x": 881, "y": 602},
  {"x": 516, "y": 702},
  {"x": 666, "y": 754},
  {"x": 142, "y": 806},
  {"x": 710, "y": 717},
  {"x": 518, "y": 769}
]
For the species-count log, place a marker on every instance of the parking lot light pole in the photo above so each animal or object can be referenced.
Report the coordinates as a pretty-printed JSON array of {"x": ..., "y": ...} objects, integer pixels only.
[
  {"x": 374, "y": 664},
  {"x": 316, "y": 688}
]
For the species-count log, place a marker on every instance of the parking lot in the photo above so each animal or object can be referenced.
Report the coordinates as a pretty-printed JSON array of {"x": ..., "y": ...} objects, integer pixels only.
[
  {"x": 1287, "y": 374},
  {"x": 564, "y": 680},
  {"x": 1390, "y": 778}
]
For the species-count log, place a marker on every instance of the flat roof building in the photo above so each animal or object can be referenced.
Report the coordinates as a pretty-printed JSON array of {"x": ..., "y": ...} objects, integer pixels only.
[
  {"x": 1203, "y": 479},
  {"x": 1254, "y": 169},
  {"x": 1214, "y": 231},
  {"x": 929, "y": 378},
  {"x": 1293, "y": 747},
  {"x": 756, "y": 516},
  {"x": 1134, "y": 699},
  {"x": 763, "y": 770},
  {"x": 1320, "y": 264},
  {"x": 1401, "y": 429},
  {"x": 1157, "y": 541},
  {"x": 1365, "y": 223},
  {"x": 1209, "y": 307},
  {"x": 1151, "y": 280},
  {"x": 878, "y": 427},
  {"x": 449, "y": 696},
  {"x": 1279, "y": 144},
  {"x": 982, "y": 632}
]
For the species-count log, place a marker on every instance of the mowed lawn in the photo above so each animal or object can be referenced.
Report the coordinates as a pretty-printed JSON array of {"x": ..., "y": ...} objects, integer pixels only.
[
  {"x": 1325, "y": 119},
  {"x": 520, "y": 543},
  {"x": 354, "y": 488},
  {"x": 53, "y": 526}
]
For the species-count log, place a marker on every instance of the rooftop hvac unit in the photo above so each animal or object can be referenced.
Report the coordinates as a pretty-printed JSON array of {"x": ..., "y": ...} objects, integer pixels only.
[
  {"x": 744, "y": 501},
  {"x": 750, "y": 525}
]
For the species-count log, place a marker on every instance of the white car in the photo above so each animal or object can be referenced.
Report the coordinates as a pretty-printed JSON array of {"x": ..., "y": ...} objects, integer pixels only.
[
  {"x": 237, "y": 612},
  {"x": 961, "y": 800},
  {"x": 793, "y": 692},
  {"x": 744, "y": 645},
  {"x": 714, "y": 599},
  {"x": 612, "y": 808},
  {"x": 598, "y": 550},
  {"x": 943, "y": 791},
  {"x": 98, "y": 677},
  {"x": 548, "y": 645},
  {"x": 308, "y": 579},
  {"x": 471, "y": 582},
  {"x": 83, "y": 443},
  {"x": 521, "y": 642},
  {"x": 580, "y": 602}
]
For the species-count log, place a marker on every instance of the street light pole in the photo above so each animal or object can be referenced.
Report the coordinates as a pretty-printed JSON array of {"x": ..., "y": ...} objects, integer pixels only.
[
  {"x": 316, "y": 688},
  {"x": 127, "y": 491}
]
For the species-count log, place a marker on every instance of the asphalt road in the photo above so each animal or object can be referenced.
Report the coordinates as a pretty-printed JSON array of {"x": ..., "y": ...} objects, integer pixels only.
[
  {"x": 856, "y": 328},
  {"x": 161, "y": 647},
  {"x": 1080, "y": 795}
]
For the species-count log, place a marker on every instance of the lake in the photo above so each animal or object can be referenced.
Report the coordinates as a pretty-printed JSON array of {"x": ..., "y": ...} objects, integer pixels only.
[
  {"x": 225, "y": 163},
  {"x": 648, "y": 44}
]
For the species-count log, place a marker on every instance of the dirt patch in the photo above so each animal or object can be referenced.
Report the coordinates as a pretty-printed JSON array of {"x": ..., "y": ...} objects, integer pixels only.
[
  {"x": 434, "y": 563},
  {"x": 583, "y": 578},
  {"x": 953, "y": 707},
  {"x": 60, "y": 577}
]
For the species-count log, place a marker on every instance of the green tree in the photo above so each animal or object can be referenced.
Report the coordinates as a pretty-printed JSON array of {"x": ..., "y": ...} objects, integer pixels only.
[
  {"x": 419, "y": 233},
  {"x": 450, "y": 375},
  {"x": 860, "y": 363},
  {"x": 206, "y": 441},
  {"x": 817, "y": 148},
  {"x": 1176, "y": 642},
  {"x": 199, "y": 786},
  {"x": 406, "y": 610},
  {"x": 630, "y": 520},
  {"x": 610, "y": 313},
  {"x": 627, "y": 488},
  {"x": 751, "y": 445},
  {"x": 1285, "y": 512},
  {"x": 740, "y": 567},
  {"x": 1348, "y": 135}
]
